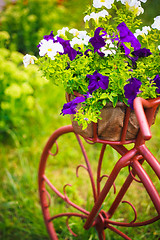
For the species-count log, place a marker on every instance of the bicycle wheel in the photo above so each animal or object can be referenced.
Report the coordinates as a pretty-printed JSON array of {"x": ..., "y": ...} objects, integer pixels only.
[{"x": 72, "y": 206}]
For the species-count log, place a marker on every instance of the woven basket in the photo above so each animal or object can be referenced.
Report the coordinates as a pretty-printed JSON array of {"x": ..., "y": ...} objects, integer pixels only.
[{"x": 111, "y": 126}]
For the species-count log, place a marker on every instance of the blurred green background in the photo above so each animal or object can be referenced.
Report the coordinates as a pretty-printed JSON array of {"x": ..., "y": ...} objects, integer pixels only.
[{"x": 30, "y": 111}]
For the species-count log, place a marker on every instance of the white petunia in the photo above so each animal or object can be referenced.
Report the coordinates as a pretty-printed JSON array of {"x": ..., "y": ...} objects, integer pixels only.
[
  {"x": 79, "y": 41},
  {"x": 62, "y": 31},
  {"x": 96, "y": 16},
  {"x": 137, "y": 32},
  {"x": 75, "y": 41},
  {"x": 156, "y": 24},
  {"x": 139, "y": 11},
  {"x": 133, "y": 6},
  {"x": 109, "y": 48},
  {"x": 144, "y": 1},
  {"x": 132, "y": 2},
  {"x": 103, "y": 3},
  {"x": 50, "y": 48},
  {"x": 79, "y": 34},
  {"x": 109, "y": 42},
  {"x": 144, "y": 30},
  {"x": 159, "y": 47},
  {"x": 107, "y": 52},
  {"x": 28, "y": 59}
]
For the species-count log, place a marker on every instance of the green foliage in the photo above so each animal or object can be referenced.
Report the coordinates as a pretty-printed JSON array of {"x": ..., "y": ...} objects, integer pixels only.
[
  {"x": 4, "y": 38},
  {"x": 18, "y": 87}
]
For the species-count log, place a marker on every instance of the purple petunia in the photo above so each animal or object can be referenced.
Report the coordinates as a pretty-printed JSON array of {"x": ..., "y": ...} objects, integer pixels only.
[
  {"x": 72, "y": 53},
  {"x": 98, "y": 41},
  {"x": 87, "y": 51},
  {"x": 70, "y": 107},
  {"x": 142, "y": 52},
  {"x": 49, "y": 37},
  {"x": 131, "y": 90},
  {"x": 157, "y": 82},
  {"x": 96, "y": 81},
  {"x": 127, "y": 36}
]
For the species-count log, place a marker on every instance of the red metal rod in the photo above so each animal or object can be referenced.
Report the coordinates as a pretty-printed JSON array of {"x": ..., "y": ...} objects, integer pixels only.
[
  {"x": 45, "y": 211},
  {"x": 120, "y": 149},
  {"x": 147, "y": 184},
  {"x": 69, "y": 214},
  {"x": 125, "y": 127},
  {"x": 120, "y": 164},
  {"x": 118, "y": 232},
  {"x": 145, "y": 122},
  {"x": 63, "y": 196},
  {"x": 142, "y": 120},
  {"x": 42, "y": 194},
  {"x": 137, "y": 224},
  {"x": 153, "y": 162},
  {"x": 99, "y": 168},
  {"x": 120, "y": 195},
  {"x": 88, "y": 167}
]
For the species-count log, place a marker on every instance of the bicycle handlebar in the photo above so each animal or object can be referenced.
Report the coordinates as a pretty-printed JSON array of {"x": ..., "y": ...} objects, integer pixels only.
[{"x": 144, "y": 119}]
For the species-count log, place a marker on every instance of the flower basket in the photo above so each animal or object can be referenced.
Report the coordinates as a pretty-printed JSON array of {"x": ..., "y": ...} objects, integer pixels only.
[{"x": 111, "y": 125}]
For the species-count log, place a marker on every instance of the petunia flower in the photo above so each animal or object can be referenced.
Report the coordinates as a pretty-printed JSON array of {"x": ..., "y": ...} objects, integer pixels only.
[
  {"x": 156, "y": 80},
  {"x": 70, "y": 107},
  {"x": 142, "y": 52},
  {"x": 134, "y": 6},
  {"x": 88, "y": 95},
  {"x": 96, "y": 16},
  {"x": 131, "y": 90},
  {"x": 62, "y": 31},
  {"x": 50, "y": 48},
  {"x": 72, "y": 53},
  {"x": 98, "y": 41},
  {"x": 87, "y": 52},
  {"x": 109, "y": 48},
  {"x": 49, "y": 37},
  {"x": 80, "y": 37},
  {"x": 79, "y": 41},
  {"x": 78, "y": 34},
  {"x": 103, "y": 3},
  {"x": 96, "y": 81},
  {"x": 156, "y": 24},
  {"x": 127, "y": 36},
  {"x": 28, "y": 59},
  {"x": 108, "y": 52},
  {"x": 144, "y": 31}
]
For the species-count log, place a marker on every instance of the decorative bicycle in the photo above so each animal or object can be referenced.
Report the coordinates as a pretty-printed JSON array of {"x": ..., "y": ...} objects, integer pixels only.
[{"x": 101, "y": 213}]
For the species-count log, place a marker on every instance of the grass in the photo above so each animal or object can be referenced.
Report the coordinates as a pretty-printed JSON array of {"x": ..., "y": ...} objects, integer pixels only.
[{"x": 20, "y": 211}]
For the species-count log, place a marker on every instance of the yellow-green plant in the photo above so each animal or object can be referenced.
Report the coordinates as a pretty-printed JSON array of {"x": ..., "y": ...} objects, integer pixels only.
[{"x": 18, "y": 105}]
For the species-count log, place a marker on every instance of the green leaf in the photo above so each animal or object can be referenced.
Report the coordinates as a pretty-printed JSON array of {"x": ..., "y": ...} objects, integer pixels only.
[
  {"x": 104, "y": 102},
  {"x": 104, "y": 96},
  {"x": 115, "y": 100}
]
